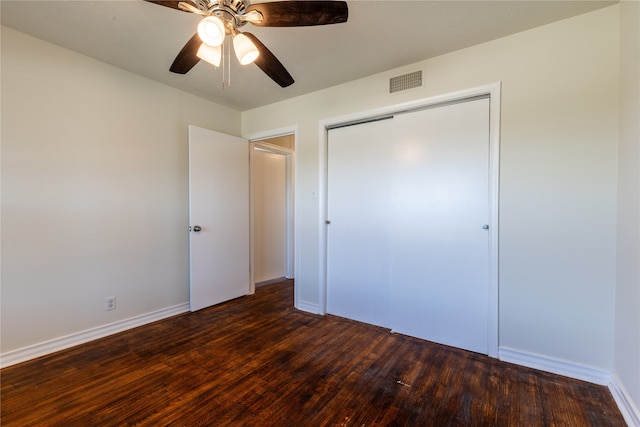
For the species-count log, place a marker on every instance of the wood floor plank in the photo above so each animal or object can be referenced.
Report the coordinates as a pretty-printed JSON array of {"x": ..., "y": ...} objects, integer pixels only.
[{"x": 256, "y": 361}]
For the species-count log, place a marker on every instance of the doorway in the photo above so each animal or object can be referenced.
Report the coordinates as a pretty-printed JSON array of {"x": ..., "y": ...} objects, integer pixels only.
[{"x": 272, "y": 208}]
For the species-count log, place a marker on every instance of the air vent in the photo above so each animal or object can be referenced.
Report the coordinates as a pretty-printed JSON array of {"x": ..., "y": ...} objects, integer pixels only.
[{"x": 406, "y": 81}]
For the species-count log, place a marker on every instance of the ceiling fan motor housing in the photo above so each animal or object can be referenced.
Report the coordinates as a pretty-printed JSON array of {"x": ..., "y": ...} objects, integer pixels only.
[
  {"x": 238, "y": 6},
  {"x": 229, "y": 11}
]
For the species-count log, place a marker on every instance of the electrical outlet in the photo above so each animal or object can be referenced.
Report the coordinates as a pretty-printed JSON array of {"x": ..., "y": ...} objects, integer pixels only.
[{"x": 109, "y": 303}]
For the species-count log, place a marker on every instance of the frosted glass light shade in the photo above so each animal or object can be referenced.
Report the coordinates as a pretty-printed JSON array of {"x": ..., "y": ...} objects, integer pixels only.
[
  {"x": 211, "y": 31},
  {"x": 246, "y": 51},
  {"x": 211, "y": 54}
]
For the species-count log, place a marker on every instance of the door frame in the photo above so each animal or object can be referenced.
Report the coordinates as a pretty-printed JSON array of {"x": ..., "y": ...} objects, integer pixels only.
[
  {"x": 493, "y": 91},
  {"x": 291, "y": 198}
]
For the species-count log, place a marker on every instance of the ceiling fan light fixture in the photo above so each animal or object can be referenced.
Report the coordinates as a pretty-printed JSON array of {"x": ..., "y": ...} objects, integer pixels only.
[
  {"x": 246, "y": 51},
  {"x": 211, "y": 31},
  {"x": 211, "y": 54}
]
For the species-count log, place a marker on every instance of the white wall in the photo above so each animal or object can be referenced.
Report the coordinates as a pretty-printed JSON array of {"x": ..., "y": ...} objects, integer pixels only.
[
  {"x": 627, "y": 337},
  {"x": 94, "y": 191},
  {"x": 558, "y": 176}
]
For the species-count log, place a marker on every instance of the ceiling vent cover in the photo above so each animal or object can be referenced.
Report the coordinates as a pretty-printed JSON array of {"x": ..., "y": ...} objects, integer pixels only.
[{"x": 406, "y": 81}]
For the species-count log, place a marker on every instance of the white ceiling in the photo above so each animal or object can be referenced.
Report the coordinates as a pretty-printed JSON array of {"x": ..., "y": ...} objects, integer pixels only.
[{"x": 380, "y": 35}]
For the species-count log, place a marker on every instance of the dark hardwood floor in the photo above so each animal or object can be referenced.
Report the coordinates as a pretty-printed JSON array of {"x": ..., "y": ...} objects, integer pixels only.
[{"x": 256, "y": 361}]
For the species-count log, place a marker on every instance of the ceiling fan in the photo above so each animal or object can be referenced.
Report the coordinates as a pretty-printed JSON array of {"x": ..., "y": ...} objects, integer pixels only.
[{"x": 225, "y": 17}]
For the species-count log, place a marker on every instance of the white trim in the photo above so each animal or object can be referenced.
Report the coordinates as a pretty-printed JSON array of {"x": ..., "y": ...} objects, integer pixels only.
[
  {"x": 268, "y": 134},
  {"x": 308, "y": 307},
  {"x": 493, "y": 90},
  {"x": 627, "y": 407},
  {"x": 495, "y": 93},
  {"x": 555, "y": 366},
  {"x": 323, "y": 214},
  {"x": 47, "y": 347}
]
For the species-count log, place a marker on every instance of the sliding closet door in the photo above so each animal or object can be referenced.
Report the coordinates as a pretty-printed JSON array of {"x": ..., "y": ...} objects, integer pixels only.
[
  {"x": 441, "y": 204},
  {"x": 359, "y": 238},
  {"x": 408, "y": 199}
]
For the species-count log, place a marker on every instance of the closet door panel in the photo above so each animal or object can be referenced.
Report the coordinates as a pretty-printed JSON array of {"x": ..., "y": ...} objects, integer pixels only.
[
  {"x": 358, "y": 237},
  {"x": 440, "y": 249}
]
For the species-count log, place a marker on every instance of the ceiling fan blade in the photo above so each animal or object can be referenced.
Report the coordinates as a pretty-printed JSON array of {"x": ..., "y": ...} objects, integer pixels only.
[
  {"x": 300, "y": 13},
  {"x": 187, "y": 57},
  {"x": 268, "y": 63},
  {"x": 167, "y": 3}
]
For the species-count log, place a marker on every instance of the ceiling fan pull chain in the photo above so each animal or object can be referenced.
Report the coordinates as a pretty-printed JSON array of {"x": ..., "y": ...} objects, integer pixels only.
[
  {"x": 228, "y": 62},
  {"x": 224, "y": 62}
]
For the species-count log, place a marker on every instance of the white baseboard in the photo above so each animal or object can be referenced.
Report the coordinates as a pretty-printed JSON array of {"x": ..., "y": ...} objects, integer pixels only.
[
  {"x": 555, "y": 366},
  {"x": 308, "y": 307},
  {"x": 628, "y": 409},
  {"x": 36, "y": 350}
]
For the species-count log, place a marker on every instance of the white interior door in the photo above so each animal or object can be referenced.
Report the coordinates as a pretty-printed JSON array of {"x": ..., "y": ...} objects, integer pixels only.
[
  {"x": 218, "y": 216},
  {"x": 407, "y": 201}
]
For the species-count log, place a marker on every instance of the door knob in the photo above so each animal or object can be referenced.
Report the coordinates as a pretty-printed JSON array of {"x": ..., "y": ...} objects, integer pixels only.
[
  {"x": 485, "y": 227},
  {"x": 197, "y": 228}
]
